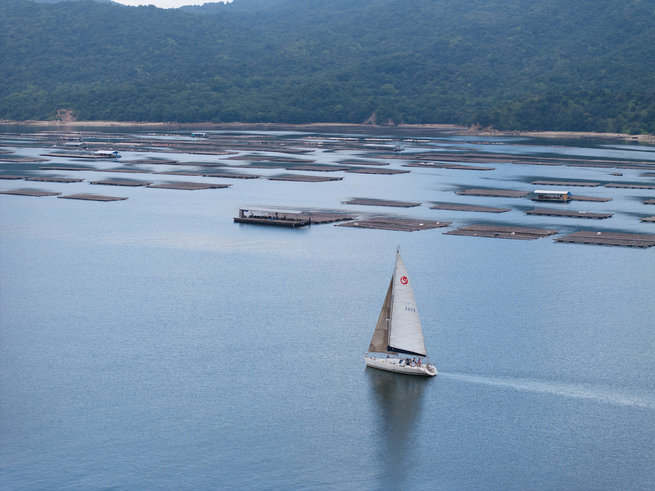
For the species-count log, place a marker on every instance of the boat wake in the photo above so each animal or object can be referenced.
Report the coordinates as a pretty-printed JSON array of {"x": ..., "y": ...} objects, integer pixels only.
[{"x": 578, "y": 391}]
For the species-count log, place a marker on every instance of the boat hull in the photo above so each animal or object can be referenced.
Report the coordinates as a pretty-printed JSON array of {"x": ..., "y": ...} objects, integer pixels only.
[{"x": 393, "y": 365}]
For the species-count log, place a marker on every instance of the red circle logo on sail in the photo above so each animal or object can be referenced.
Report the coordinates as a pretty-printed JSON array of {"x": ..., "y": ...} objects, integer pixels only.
[{"x": 404, "y": 280}]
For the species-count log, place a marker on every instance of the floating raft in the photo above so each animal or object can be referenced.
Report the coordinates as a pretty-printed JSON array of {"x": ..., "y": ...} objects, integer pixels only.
[
  {"x": 569, "y": 214},
  {"x": 11, "y": 177},
  {"x": 454, "y": 207},
  {"x": 189, "y": 186},
  {"x": 397, "y": 224},
  {"x": 29, "y": 192},
  {"x": 88, "y": 156},
  {"x": 316, "y": 168},
  {"x": 363, "y": 162},
  {"x": 276, "y": 160},
  {"x": 271, "y": 166},
  {"x": 630, "y": 186},
  {"x": 566, "y": 183},
  {"x": 93, "y": 197},
  {"x": 436, "y": 165},
  {"x": 152, "y": 161},
  {"x": 609, "y": 238},
  {"x": 225, "y": 175},
  {"x": 499, "y": 232},
  {"x": 180, "y": 173},
  {"x": 21, "y": 160},
  {"x": 53, "y": 179},
  {"x": 121, "y": 182},
  {"x": 293, "y": 178},
  {"x": 373, "y": 170},
  {"x": 496, "y": 193},
  {"x": 589, "y": 198},
  {"x": 62, "y": 168},
  {"x": 379, "y": 202},
  {"x": 125, "y": 171},
  {"x": 287, "y": 219}
]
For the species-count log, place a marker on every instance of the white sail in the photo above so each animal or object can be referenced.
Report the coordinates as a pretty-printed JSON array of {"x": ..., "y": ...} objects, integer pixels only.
[{"x": 405, "y": 333}]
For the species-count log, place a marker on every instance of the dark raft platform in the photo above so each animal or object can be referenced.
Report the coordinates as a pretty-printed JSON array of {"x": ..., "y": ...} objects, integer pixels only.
[
  {"x": 289, "y": 219},
  {"x": 93, "y": 197},
  {"x": 494, "y": 193},
  {"x": 397, "y": 224},
  {"x": 29, "y": 192},
  {"x": 380, "y": 202},
  {"x": 482, "y": 209},
  {"x": 568, "y": 214},
  {"x": 502, "y": 232},
  {"x": 609, "y": 238}
]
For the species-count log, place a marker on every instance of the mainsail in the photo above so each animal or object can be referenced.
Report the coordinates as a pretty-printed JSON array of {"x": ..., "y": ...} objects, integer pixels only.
[
  {"x": 380, "y": 340},
  {"x": 399, "y": 328}
]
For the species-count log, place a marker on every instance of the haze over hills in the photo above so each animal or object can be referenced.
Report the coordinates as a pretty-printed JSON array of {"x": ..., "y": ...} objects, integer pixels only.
[{"x": 514, "y": 64}]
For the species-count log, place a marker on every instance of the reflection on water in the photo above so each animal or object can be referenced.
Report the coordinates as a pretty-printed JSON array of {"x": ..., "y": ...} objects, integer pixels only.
[{"x": 399, "y": 401}]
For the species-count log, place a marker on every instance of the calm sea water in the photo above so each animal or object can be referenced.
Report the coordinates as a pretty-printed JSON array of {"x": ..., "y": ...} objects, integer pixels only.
[{"x": 154, "y": 344}]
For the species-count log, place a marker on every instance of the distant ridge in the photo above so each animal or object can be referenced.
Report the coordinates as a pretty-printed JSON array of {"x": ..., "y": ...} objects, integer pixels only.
[{"x": 510, "y": 64}]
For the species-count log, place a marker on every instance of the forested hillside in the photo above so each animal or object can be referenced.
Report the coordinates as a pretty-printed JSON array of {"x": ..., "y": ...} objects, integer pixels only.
[{"x": 514, "y": 64}]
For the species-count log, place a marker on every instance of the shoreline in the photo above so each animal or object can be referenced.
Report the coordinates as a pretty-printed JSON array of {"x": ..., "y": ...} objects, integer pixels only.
[{"x": 401, "y": 128}]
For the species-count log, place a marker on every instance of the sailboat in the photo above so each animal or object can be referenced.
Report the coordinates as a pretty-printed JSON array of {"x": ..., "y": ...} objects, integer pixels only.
[{"x": 398, "y": 334}]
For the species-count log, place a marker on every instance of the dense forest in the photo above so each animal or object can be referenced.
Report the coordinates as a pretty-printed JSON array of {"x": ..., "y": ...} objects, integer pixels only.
[{"x": 587, "y": 65}]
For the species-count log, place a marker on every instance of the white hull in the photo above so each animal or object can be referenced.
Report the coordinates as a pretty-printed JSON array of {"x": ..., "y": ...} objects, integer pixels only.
[{"x": 394, "y": 365}]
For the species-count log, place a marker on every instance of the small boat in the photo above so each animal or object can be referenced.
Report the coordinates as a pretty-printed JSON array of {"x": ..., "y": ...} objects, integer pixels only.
[{"x": 398, "y": 334}]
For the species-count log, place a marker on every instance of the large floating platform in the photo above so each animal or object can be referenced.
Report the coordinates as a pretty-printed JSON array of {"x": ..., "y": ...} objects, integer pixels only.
[
  {"x": 10, "y": 177},
  {"x": 29, "y": 192},
  {"x": 227, "y": 175},
  {"x": 93, "y": 197},
  {"x": 495, "y": 193},
  {"x": 294, "y": 178},
  {"x": 374, "y": 170},
  {"x": 630, "y": 186},
  {"x": 316, "y": 168},
  {"x": 590, "y": 198},
  {"x": 609, "y": 238},
  {"x": 53, "y": 179},
  {"x": 21, "y": 160},
  {"x": 120, "y": 182},
  {"x": 566, "y": 183},
  {"x": 289, "y": 219},
  {"x": 380, "y": 202},
  {"x": 181, "y": 173},
  {"x": 363, "y": 162},
  {"x": 441, "y": 165},
  {"x": 500, "y": 232},
  {"x": 152, "y": 161},
  {"x": 396, "y": 224},
  {"x": 125, "y": 171},
  {"x": 64, "y": 168},
  {"x": 85, "y": 156},
  {"x": 189, "y": 186},
  {"x": 483, "y": 209},
  {"x": 569, "y": 214}
]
